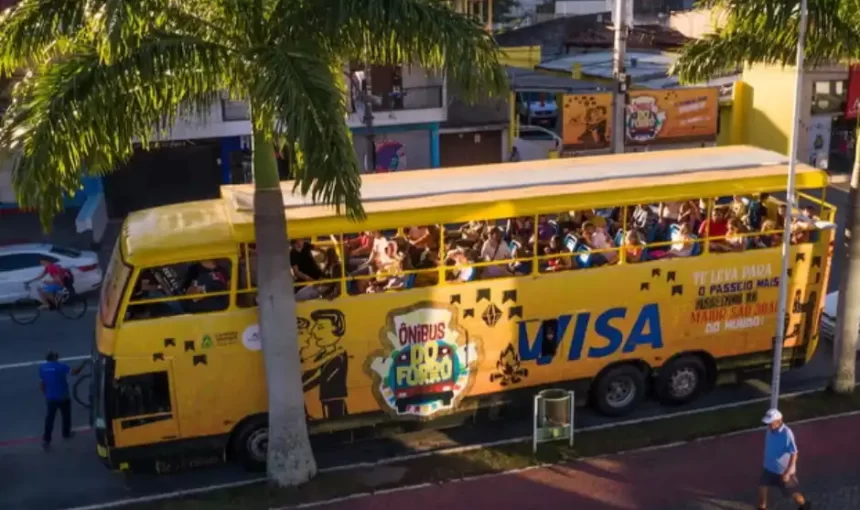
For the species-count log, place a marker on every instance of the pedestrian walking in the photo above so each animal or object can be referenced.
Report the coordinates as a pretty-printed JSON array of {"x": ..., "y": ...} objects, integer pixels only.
[
  {"x": 780, "y": 462},
  {"x": 53, "y": 375}
]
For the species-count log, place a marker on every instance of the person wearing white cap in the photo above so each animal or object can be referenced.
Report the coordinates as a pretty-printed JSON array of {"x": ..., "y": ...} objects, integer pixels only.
[{"x": 780, "y": 462}]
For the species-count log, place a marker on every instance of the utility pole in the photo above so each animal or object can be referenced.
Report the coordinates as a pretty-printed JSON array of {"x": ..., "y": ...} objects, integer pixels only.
[
  {"x": 619, "y": 103},
  {"x": 782, "y": 303}
]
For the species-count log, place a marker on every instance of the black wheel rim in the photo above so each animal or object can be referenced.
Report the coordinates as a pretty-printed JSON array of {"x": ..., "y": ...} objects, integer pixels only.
[
  {"x": 24, "y": 312},
  {"x": 73, "y": 308}
]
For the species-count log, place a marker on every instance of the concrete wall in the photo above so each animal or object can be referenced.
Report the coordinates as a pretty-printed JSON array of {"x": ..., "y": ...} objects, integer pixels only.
[
  {"x": 695, "y": 24},
  {"x": 7, "y": 194}
]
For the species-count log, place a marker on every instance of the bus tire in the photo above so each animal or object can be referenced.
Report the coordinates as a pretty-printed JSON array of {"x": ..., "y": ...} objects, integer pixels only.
[
  {"x": 681, "y": 380},
  {"x": 249, "y": 444},
  {"x": 619, "y": 390}
]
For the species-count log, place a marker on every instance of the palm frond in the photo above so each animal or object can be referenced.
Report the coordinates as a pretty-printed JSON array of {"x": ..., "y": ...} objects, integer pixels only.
[
  {"x": 298, "y": 98},
  {"x": 766, "y": 31},
  {"x": 80, "y": 109},
  {"x": 426, "y": 32},
  {"x": 30, "y": 29}
]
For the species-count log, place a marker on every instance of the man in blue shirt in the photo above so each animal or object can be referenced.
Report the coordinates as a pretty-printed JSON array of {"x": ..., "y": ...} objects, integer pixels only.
[
  {"x": 55, "y": 386},
  {"x": 780, "y": 462}
]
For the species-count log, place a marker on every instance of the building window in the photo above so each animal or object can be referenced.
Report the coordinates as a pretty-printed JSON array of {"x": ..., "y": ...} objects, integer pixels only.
[
  {"x": 829, "y": 96},
  {"x": 234, "y": 110}
]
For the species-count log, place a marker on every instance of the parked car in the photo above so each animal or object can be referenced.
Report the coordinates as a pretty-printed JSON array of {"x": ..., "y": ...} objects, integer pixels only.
[
  {"x": 537, "y": 108},
  {"x": 536, "y": 142},
  {"x": 20, "y": 263}
]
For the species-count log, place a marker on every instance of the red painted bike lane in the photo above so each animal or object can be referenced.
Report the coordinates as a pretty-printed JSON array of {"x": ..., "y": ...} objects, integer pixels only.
[{"x": 724, "y": 469}]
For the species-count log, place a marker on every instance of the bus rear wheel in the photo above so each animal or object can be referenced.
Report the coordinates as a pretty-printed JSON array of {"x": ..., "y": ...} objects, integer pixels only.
[
  {"x": 681, "y": 380},
  {"x": 618, "y": 391},
  {"x": 249, "y": 446}
]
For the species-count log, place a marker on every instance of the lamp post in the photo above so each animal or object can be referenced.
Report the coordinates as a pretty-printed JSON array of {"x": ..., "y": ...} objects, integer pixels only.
[
  {"x": 789, "y": 211},
  {"x": 619, "y": 100}
]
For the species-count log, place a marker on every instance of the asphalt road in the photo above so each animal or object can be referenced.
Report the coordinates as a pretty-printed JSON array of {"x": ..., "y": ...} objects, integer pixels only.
[{"x": 72, "y": 475}]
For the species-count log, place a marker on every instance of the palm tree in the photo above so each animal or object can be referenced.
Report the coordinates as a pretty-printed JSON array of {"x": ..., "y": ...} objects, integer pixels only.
[
  {"x": 766, "y": 31},
  {"x": 102, "y": 73}
]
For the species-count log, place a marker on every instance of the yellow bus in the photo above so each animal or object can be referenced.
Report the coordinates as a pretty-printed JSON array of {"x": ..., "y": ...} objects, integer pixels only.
[{"x": 464, "y": 290}]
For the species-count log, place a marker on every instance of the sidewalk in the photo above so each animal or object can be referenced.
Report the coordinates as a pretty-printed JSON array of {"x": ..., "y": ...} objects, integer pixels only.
[{"x": 715, "y": 474}]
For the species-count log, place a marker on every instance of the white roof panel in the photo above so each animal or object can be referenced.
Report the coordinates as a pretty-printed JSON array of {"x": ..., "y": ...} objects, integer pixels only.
[{"x": 512, "y": 176}]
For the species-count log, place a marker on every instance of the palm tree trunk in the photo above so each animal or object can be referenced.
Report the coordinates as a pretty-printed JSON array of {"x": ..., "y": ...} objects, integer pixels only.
[
  {"x": 848, "y": 309},
  {"x": 290, "y": 458}
]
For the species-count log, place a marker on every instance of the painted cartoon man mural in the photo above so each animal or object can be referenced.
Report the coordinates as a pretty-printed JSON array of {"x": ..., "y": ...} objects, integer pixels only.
[{"x": 327, "y": 365}]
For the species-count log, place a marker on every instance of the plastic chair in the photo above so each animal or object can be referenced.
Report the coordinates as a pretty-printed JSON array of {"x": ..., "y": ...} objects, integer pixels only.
[
  {"x": 583, "y": 260},
  {"x": 571, "y": 242},
  {"x": 697, "y": 246},
  {"x": 409, "y": 282},
  {"x": 619, "y": 237}
]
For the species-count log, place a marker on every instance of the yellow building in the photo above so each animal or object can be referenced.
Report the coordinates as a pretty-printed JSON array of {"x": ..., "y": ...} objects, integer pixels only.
[{"x": 761, "y": 114}]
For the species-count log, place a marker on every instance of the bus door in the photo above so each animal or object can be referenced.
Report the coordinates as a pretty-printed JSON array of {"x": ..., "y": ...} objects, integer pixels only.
[{"x": 143, "y": 401}]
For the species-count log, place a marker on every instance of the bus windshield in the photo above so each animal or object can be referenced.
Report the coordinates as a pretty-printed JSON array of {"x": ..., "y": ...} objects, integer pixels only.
[{"x": 115, "y": 281}]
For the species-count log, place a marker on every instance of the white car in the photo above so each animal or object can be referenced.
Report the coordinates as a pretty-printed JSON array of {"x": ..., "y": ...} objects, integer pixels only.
[
  {"x": 20, "y": 263},
  {"x": 828, "y": 322},
  {"x": 535, "y": 143}
]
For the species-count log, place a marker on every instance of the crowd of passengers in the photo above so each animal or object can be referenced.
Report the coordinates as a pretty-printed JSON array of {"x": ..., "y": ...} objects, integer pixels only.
[{"x": 378, "y": 261}]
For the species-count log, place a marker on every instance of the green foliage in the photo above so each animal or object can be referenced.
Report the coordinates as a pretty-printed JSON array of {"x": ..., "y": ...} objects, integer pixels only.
[
  {"x": 101, "y": 74},
  {"x": 766, "y": 31}
]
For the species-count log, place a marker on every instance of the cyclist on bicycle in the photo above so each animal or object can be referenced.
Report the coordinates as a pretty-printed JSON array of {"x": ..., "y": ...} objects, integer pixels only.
[{"x": 55, "y": 280}]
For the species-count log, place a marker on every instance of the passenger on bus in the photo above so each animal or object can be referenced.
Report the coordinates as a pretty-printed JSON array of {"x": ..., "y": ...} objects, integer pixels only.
[
  {"x": 683, "y": 243},
  {"x": 473, "y": 231},
  {"x": 521, "y": 226},
  {"x": 521, "y": 248},
  {"x": 738, "y": 206},
  {"x": 556, "y": 247},
  {"x": 598, "y": 239},
  {"x": 715, "y": 226},
  {"x": 670, "y": 212},
  {"x": 735, "y": 239},
  {"x": 359, "y": 249},
  {"x": 332, "y": 270},
  {"x": 768, "y": 238},
  {"x": 148, "y": 288},
  {"x": 210, "y": 279},
  {"x": 690, "y": 214},
  {"x": 304, "y": 266},
  {"x": 644, "y": 218},
  {"x": 545, "y": 230},
  {"x": 634, "y": 247},
  {"x": 495, "y": 248}
]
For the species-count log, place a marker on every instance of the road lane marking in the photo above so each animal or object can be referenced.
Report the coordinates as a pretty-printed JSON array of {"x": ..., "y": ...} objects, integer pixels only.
[
  {"x": 447, "y": 451},
  {"x": 25, "y": 364}
]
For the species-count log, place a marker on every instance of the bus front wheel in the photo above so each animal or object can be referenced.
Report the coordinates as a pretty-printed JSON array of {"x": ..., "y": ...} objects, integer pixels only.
[
  {"x": 618, "y": 391},
  {"x": 681, "y": 380},
  {"x": 250, "y": 444}
]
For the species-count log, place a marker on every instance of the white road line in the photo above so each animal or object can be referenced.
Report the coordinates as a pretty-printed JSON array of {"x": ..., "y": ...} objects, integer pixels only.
[
  {"x": 460, "y": 449},
  {"x": 25, "y": 364}
]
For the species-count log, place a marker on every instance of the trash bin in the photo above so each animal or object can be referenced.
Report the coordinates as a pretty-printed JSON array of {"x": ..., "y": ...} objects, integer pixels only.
[{"x": 556, "y": 407}]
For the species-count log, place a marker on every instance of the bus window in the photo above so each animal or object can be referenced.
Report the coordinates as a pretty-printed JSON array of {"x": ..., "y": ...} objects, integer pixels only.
[
  {"x": 113, "y": 289},
  {"x": 195, "y": 287},
  {"x": 142, "y": 394}
]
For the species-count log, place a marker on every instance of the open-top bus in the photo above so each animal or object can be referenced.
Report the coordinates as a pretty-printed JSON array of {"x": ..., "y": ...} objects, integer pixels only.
[{"x": 463, "y": 289}]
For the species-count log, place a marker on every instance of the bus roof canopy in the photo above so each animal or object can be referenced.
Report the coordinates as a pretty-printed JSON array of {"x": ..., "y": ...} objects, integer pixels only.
[{"x": 461, "y": 194}]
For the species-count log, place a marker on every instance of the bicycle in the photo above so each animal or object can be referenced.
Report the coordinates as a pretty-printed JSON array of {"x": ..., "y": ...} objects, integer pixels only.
[
  {"x": 84, "y": 381},
  {"x": 67, "y": 303}
]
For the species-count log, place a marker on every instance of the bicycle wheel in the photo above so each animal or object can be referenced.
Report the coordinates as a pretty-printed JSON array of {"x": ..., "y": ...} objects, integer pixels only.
[
  {"x": 24, "y": 311},
  {"x": 74, "y": 307},
  {"x": 83, "y": 388}
]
